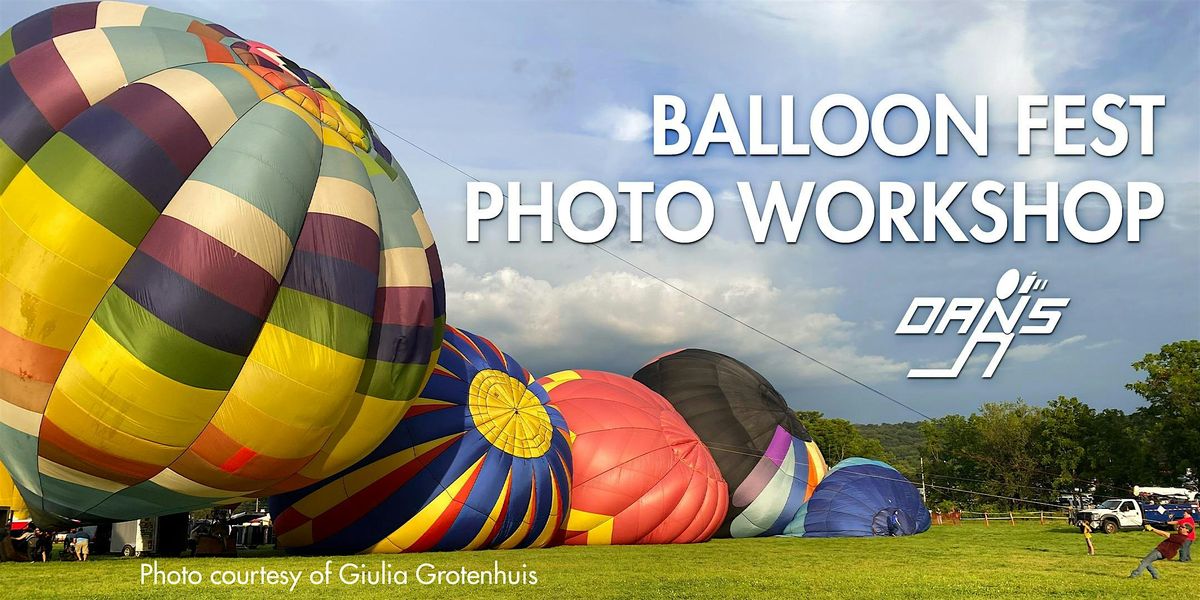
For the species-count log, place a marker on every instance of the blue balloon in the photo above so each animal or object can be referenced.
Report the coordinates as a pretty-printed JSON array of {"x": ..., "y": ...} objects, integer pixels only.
[{"x": 861, "y": 498}]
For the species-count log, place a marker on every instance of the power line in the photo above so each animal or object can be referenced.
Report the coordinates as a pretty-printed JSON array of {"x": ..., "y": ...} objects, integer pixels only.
[
  {"x": 732, "y": 450},
  {"x": 724, "y": 313},
  {"x": 679, "y": 289},
  {"x": 960, "y": 490},
  {"x": 996, "y": 481},
  {"x": 746, "y": 452}
]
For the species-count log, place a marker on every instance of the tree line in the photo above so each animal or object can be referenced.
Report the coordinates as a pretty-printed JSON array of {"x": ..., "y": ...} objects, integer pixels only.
[{"x": 1030, "y": 454}]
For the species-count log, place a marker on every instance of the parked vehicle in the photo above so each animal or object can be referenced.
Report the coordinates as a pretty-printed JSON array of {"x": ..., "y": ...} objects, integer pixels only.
[
  {"x": 1116, "y": 514},
  {"x": 133, "y": 538},
  {"x": 252, "y": 529},
  {"x": 1074, "y": 501}
]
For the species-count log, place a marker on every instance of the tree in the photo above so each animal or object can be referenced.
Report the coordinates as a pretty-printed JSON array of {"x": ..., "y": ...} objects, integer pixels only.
[
  {"x": 1171, "y": 387},
  {"x": 839, "y": 439},
  {"x": 1005, "y": 451},
  {"x": 949, "y": 459},
  {"x": 1060, "y": 438},
  {"x": 1117, "y": 451},
  {"x": 903, "y": 441}
]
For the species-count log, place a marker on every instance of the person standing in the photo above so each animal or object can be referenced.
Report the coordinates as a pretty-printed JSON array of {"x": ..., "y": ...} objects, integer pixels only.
[
  {"x": 1166, "y": 550},
  {"x": 1086, "y": 528},
  {"x": 41, "y": 545},
  {"x": 82, "y": 543}
]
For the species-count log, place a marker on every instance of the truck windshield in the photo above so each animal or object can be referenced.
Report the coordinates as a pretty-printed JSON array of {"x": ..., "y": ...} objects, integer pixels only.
[{"x": 1110, "y": 504}]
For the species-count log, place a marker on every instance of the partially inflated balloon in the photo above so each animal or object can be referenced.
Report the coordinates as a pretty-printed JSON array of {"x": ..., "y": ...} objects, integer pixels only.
[
  {"x": 215, "y": 282},
  {"x": 480, "y": 461},
  {"x": 862, "y": 498},
  {"x": 641, "y": 474},
  {"x": 767, "y": 457}
]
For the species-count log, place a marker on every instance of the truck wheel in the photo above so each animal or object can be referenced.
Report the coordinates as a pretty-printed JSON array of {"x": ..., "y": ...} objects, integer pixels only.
[
  {"x": 1111, "y": 527},
  {"x": 127, "y": 551}
]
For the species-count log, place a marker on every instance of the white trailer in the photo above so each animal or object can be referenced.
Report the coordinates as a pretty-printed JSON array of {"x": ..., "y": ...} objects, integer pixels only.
[{"x": 133, "y": 538}]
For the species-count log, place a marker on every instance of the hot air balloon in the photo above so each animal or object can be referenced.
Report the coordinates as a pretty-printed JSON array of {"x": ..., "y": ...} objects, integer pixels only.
[
  {"x": 215, "y": 281},
  {"x": 862, "y": 498},
  {"x": 766, "y": 456},
  {"x": 480, "y": 461},
  {"x": 641, "y": 475}
]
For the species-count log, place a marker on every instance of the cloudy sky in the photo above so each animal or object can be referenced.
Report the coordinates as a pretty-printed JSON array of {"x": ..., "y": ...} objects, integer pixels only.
[{"x": 533, "y": 91}]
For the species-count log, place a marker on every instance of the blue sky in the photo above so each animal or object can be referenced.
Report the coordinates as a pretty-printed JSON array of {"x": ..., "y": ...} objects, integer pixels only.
[{"x": 537, "y": 91}]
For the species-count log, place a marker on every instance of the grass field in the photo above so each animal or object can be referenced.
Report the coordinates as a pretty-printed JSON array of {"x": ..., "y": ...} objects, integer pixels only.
[{"x": 970, "y": 561}]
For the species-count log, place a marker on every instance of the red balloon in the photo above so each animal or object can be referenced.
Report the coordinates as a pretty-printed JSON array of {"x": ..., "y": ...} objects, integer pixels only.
[{"x": 641, "y": 475}]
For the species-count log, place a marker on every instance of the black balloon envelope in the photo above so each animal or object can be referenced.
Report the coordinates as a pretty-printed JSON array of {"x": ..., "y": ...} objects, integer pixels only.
[{"x": 763, "y": 451}]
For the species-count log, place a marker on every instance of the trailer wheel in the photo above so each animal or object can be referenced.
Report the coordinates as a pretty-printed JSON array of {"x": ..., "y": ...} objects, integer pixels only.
[
  {"x": 1110, "y": 527},
  {"x": 127, "y": 551}
]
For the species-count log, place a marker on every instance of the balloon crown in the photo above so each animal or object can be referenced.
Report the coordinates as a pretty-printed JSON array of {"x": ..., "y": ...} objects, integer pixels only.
[{"x": 308, "y": 90}]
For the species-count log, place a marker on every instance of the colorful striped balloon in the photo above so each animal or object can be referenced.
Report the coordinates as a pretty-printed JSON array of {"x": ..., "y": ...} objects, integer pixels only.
[
  {"x": 480, "y": 461},
  {"x": 215, "y": 281},
  {"x": 641, "y": 475}
]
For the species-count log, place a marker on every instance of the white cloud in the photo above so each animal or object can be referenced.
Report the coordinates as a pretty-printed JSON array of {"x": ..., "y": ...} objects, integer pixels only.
[
  {"x": 1099, "y": 345},
  {"x": 1018, "y": 352},
  {"x": 992, "y": 56},
  {"x": 606, "y": 318},
  {"x": 1033, "y": 352},
  {"x": 620, "y": 123},
  {"x": 729, "y": 195}
]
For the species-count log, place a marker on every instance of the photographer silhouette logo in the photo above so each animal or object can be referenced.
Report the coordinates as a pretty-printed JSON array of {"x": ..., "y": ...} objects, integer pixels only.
[{"x": 998, "y": 325}]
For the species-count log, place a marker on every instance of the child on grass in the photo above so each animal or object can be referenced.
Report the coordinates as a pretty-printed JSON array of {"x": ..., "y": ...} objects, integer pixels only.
[
  {"x": 1086, "y": 528},
  {"x": 1166, "y": 550}
]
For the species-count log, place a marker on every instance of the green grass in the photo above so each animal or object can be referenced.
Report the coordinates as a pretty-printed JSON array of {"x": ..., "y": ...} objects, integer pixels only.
[{"x": 971, "y": 561}]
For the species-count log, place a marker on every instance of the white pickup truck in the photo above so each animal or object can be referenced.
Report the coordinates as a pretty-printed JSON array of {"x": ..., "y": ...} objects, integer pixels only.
[{"x": 1114, "y": 515}]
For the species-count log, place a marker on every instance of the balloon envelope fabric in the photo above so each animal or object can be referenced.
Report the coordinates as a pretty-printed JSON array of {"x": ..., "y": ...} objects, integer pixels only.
[
  {"x": 767, "y": 457},
  {"x": 641, "y": 475},
  {"x": 215, "y": 281},
  {"x": 480, "y": 461},
  {"x": 10, "y": 498},
  {"x": 862, "y": 498}
]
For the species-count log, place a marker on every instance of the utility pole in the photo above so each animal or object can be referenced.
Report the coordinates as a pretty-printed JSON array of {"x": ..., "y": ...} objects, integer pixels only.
[{"x": 923, "y": 498}]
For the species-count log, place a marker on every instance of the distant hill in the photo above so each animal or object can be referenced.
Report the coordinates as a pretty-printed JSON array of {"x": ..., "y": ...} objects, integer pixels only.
[{"x": 901, "y": 440}]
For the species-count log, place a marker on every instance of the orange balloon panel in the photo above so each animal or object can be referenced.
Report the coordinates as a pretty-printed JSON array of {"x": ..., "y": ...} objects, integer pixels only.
[{"x": 642, "y": 476}]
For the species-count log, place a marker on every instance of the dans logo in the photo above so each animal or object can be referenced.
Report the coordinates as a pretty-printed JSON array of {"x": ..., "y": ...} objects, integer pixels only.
[{"x": 998, "y": 325}]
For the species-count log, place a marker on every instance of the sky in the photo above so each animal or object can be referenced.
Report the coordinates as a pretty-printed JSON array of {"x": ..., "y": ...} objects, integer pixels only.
[{"x": 534, "y": 91}]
